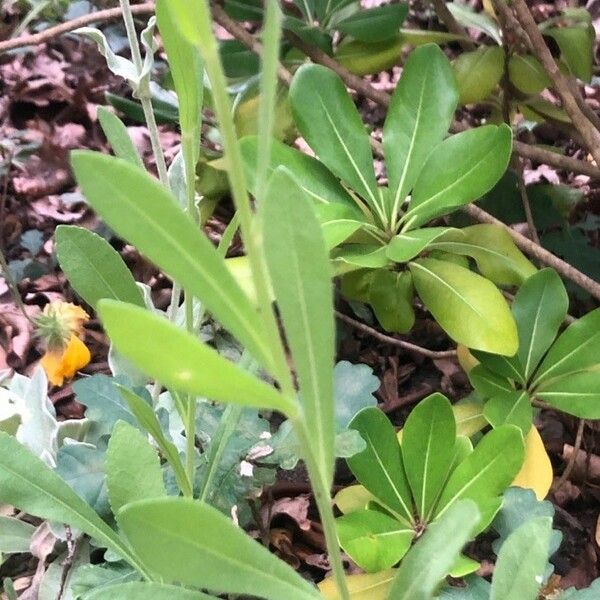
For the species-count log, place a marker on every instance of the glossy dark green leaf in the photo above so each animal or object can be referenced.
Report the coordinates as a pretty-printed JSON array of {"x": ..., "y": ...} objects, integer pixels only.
[
  {"x": 470, "y": 308},
  {"x": 238, "y": 61},
  {"x": 539, "y": 308},
  {"x": 418, "y": 119},
  {"x": 391, "y": 297},
  {"x": 189, "y": 542},
  {"x": 373, "y": 540},
  {"x": 487, "y": 471},
  {"x": 331, "y": 124},
  {"x": 508, "y": 367},
  {"x": 118, "y": 137},
  {"x": 461, "y": 169},
  {"x": 478, "y": 73},
  {"x": 434, "y": 555},
  {"x": 428, "y": 441},
  {"x": 577, "y": 394},
  {"x": 510, "y": 408},
  {"x": 374, "y": 24},
  {"x": 244, "y": 10},
  {"x": 576, "y": 349},
  {"x": 380, "y": 467},
  {"x": 298, "y": 263},
  {"x": 138, "y": 208},
  {"x": 181, "y": 361},
  {"x": 93, "y": 267},
  {"x": 132, "y": 468},
  {"x": 362, "y": 58}
]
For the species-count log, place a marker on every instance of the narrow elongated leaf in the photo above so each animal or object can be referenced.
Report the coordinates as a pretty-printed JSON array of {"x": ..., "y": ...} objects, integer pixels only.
[
  {"x": 192, "y": 543},
  {"x": 521, "y": 564},
  {"x": 138, "y": 208},
  {"x": 144, "y": 591},
  {"x": 373, "y": 540},
  {"x": 495, "y": 253},
  {"x": 487, "y": 471},
  {"x": 428, "y": 440},
  {"x": 374, "y": 24},
  {"x": 461, "y": 169},
  {"x": 29, "y": 484},
  {"x": 409, "y": 244},
  {"x": 301, "y": 276},
  {"x": 93, "y": 267},
  {"x": 330, "y": 123},
  {"x": 578, "y": 394},
  {"x": 434, "y": 555},
  {"x": 539, "y": 308},
  {"x": 420, "y": 113},
  {"x": 118, "y": 137},
  {"x": 380, "y": 467},
  {"x": 577, "y": 349},
  {"x": 470, "y": 308},
  {"x": 181, "y": 361},
  {"x": 481, "y": 21},
  {"x": 132, "y": 468}
]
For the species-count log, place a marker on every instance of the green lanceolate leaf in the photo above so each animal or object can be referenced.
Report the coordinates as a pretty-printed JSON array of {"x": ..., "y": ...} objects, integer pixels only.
[
  {"x": 181, "y": 361},
  {"x": 461, "y": 169},
  {"x": 144, "y": 591},
  {"x": 132, "y": 468},
  {"x": 481, "y": 21},
  {"x": 521, "y": 564},
  {"x": 428, "y": 440},
  {"x": 487, "y": 383},
  {"x": 578, "y": 394},
  {"x": 143, "y": 212},
  {"x": 331, "y": 124},
  {"x": 118, "y": 137},
  {"x": 192, "y": 543},
  {"x": 380, "y": 467},
  {"x": 469, "y": 308},
  {"x": 391, "y": 296},
  {"x": 374, "y": 24},
  {"x": 420, "y": 113},
  {"x": 487, "y": 471},
  {"x": 373, "y": 540},
  {"x": 29, "y": 484},
  {"x": 493, "y": 250},
  {"x": 298, "y": 263},
  {"x": 338, "y": 223},
  {"x": 577, "y": 349},
  {"x": 539, "y": 308},
  {"x": 434, "y": 555},
  {"x": 510, "y": 408},
  {"x": 409, "y": 244},
  {"x": 94, "y": 268}
]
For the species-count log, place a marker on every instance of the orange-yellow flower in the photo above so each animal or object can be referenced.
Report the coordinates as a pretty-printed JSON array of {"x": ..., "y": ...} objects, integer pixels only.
[{"x": 60, "y": 326}]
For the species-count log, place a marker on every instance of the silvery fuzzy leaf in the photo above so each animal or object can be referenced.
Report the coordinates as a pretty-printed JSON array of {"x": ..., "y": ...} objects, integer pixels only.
[{"x": 10, "y": 419}]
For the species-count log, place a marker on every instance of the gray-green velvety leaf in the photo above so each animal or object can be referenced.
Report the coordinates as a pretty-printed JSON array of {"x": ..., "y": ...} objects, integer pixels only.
[
  {"x": 521, "y": 564},
  {"x": 380, "y": 467},
  {"x": 331, "y": 124},
  {"x": 434, "y": 555},
  {"x": 353, "y": 388},
  {"x": 181, "y": 361},
  {"x": 298, "y": 263},
  {"x": 138, "y": 208},
  {"x": 461, "y": 169},
  {"x": 93, "y": 267},
  {"x": 428, "y": 442},
  {"x": 373, "y": 540},
  {"x": 470, "y": 308},
  {"x": 133, "y": 469},
  {"x": 487, "y": 471},
  {"x": 186, "y": 541},
  {"x": 576, "y": 349},
  {"x": 539, "y": 308},
  {"x": 420, "y": 113},
  {"x": 118, "y": 137}
]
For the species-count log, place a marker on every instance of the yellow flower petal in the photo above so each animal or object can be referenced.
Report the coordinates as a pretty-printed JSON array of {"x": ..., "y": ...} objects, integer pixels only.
[
  {"x": 63, "y": 365},
  {"x": 536, "y": 472}
]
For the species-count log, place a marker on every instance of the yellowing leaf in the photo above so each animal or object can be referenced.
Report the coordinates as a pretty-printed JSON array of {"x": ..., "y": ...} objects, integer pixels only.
[
  {"x": 352, "y": 498},
  {"x": 465, "y": 359},
  {"x": 536, "y": 473},
  {"x": 369, "y": 586},
  {"x": 469, "y": 418}
]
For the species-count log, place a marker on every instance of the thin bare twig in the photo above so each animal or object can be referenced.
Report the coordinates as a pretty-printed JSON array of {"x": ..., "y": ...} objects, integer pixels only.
[
  {"x": 573, "y": 458},
  {"x": 518, "y": 166},
  {"x": 393, "y": 341},
  {"x": 110, "y": 14},
  {"x": 447, "y": 18}
]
